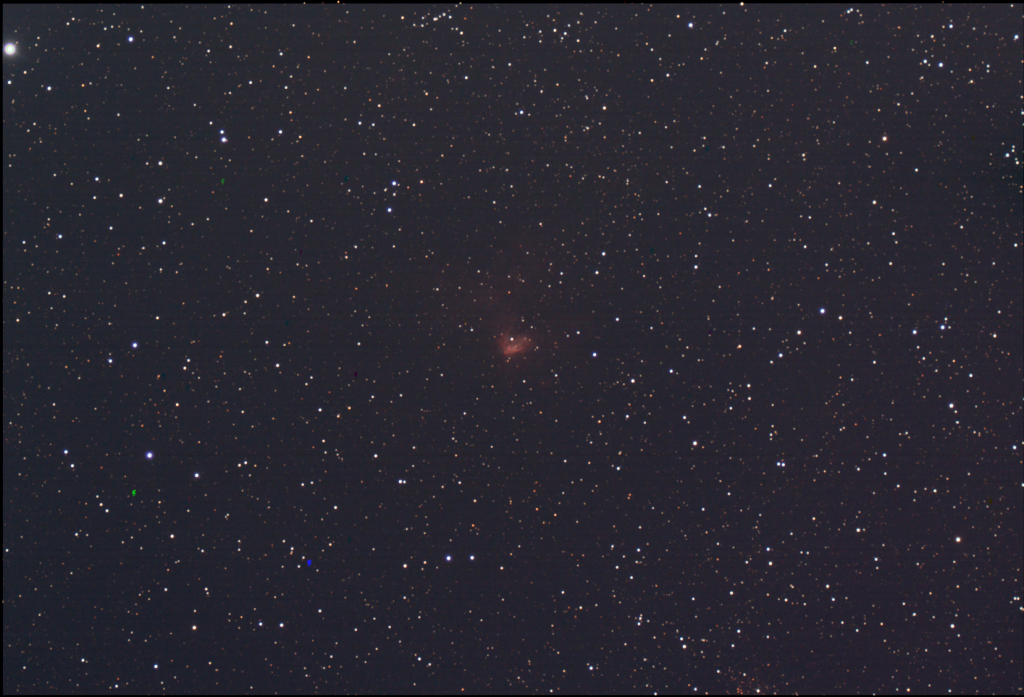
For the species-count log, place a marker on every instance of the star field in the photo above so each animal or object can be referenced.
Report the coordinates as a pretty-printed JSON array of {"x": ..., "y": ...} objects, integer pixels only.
[{"x": 518, "y": 349}]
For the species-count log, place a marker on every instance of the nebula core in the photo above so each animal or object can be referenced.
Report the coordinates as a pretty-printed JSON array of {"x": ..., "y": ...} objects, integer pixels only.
[{"x": 512, "y": 345}]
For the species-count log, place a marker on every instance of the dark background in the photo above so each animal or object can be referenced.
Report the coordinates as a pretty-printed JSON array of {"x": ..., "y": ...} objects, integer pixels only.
[{"x": 766, "y": 435}]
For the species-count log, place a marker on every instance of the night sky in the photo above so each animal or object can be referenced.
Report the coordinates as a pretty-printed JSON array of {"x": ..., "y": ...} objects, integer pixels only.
[{"x": 513, "y": 349}]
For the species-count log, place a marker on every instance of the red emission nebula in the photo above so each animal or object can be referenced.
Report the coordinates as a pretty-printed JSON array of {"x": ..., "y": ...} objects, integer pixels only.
[
  {"x": 512, "y": 345},
  {"x": 511, "y": 293}
]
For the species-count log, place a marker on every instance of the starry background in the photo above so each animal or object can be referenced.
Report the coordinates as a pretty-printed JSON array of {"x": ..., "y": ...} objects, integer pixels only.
[{"x": 513, "y": 350}]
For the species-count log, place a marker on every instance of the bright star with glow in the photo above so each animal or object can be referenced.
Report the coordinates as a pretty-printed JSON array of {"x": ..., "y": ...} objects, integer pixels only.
[{"x": 9, "y": 49}]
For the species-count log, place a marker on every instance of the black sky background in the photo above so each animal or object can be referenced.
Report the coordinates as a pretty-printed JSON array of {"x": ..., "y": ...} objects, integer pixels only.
[{"x": 264, "y": 429}]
